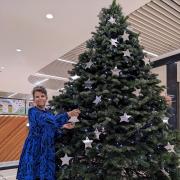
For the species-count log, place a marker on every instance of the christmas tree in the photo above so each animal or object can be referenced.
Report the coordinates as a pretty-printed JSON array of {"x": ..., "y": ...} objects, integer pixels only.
[{"x": 123, "y": 131}]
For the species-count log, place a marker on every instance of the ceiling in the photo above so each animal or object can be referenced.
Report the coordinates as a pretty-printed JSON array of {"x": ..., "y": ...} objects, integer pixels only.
[
  {"x": 157, "y": 22},
  {"x": 51, "y": 47},
  {"x": 159, "y": 25}
]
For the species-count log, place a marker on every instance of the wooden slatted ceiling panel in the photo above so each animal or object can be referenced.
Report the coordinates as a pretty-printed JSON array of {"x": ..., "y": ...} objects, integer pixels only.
[
  {"x": 158, "y": 24},
  {"x": 13, "y": 132},
  {"x": 74, "y": 53}
]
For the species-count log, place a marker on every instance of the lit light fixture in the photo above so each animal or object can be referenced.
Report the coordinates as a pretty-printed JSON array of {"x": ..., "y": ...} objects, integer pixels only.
[
  {"x": 150, "y": 53},
  {"x": 12, "y": 95},
  {"x": 40, "y": 82},
  {"x": 18, "y": 50},
  {"x": 71, "y": 62},
  {"x": 52, "y": 77},
  {"x": 49, "y": 16},
  {"x": 2, "y": 67},
  {"x": 74, "y": 77}
]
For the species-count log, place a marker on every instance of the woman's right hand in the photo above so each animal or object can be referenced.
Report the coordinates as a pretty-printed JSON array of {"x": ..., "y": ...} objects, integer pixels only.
[
  {"x": 74, "y": 112},
  {"x": 69, "y": 126}
]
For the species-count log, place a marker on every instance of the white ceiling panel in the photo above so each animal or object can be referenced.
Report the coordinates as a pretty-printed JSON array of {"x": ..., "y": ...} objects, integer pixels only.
[{"x": 23, "y": 25}]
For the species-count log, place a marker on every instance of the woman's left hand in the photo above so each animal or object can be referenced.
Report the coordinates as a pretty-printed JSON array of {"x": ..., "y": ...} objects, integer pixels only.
[
  {"x": 74, "y": 112},
  {"x": 69, "y": 126}
]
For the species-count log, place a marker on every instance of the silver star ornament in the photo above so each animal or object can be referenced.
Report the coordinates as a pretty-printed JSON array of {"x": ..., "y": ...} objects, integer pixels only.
[
  {"x": 114, "y": 42},
  {"x": 66, "y": 159},
  {"x": 169, "y": 147},
  {"x": 89, "y": 64},
  {"x": 125, "y": 118},
  {"x": 127, "y": 53},
  {"x": 116, "y": 71},
  {"x": 87, "y": 142},
  {"x": 97, "y": 100},
  {"x": 88, "y": 84},
  {"x": 137, "y": 92},
  {"x": 112, "y": 20},
  {"x": 73, "y": 119},
  {"x": 125, "y": 36},
  {"x": 146, "y": 60}
]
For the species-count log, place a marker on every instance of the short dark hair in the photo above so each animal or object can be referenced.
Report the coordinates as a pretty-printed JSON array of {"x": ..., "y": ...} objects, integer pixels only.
[{"x": 41, "y": 89}]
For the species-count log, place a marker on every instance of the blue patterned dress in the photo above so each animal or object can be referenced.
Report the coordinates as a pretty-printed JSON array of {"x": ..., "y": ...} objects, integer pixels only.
[{"x": 38, "y": 155}]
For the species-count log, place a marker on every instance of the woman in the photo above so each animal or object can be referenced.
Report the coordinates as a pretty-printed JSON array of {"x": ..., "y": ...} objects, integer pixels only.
[{"x": 37, "y": 160}]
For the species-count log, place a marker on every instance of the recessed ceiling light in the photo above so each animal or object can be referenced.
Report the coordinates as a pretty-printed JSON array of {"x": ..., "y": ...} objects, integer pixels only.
[
  {"x": 2, "y": 67},
  {"x": 49, "y": 16},
  {"x": 18, "y": 50}
]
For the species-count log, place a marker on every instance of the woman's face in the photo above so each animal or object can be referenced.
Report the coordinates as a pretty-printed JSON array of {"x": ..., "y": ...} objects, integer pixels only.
[
  {"x": 168, "y": 100},
  {"x": 40, "y": 99}
]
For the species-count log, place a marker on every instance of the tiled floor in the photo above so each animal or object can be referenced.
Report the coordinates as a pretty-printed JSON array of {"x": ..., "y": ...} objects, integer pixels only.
[{"x": 9, "y": 174}]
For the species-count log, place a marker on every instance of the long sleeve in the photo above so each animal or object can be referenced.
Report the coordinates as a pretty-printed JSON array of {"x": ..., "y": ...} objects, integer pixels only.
[
  {"x": 32, "y": 118},
  {"x": 58, "y": 120},
  {"x": 37, "y": 118}
]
